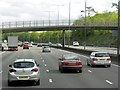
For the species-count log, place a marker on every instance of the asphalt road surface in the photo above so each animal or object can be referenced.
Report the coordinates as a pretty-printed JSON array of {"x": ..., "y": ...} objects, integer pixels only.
[{"x": 95, "y": 77}]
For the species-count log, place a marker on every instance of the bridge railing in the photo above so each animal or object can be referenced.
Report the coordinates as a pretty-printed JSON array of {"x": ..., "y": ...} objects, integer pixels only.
[{"x": 38, "y": 23}]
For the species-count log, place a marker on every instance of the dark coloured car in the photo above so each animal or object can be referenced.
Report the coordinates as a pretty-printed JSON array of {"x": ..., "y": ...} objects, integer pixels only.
[
  {"x": 70, "y": 62},
  {"x": 25, "y": 46}
]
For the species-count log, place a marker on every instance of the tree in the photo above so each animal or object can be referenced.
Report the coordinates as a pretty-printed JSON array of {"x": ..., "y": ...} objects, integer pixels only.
[{"x": 115, "y": 5}]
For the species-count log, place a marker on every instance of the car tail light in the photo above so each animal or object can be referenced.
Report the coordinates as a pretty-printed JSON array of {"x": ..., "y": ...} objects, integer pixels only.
[
  {"x": 78, "y": 63},
  {"x": 34, "y": 70},
  {"x": 94, "y": 59},
  {"x": 12, "y": 70},
  {"x": 65, "y": 63},
  {"x": 109, "y": 59}
]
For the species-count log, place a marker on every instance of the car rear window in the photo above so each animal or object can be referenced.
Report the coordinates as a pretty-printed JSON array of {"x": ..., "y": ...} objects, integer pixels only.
[
  {"x": 23, "y": 64},
  {"x": 25, "y": 44},
  {"x": 101, "y": 55},
  {"x": 71, "y": 58}
]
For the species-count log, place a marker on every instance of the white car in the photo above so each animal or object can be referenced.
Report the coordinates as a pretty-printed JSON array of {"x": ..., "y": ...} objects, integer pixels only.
[
  {"x": 59, "y": 45},
  {"x": 24, "y": 70},
  {"x": 30, "y": 45},
  {"x": 75, "y": 43},
  {"x": 99, "y": 58},
  {"x": 46, "y": 49}
]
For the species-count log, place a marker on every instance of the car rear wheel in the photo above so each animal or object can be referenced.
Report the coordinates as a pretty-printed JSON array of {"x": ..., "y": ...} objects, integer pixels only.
[
  {"x": 91, "y": 65},
  {"x": 9, "y": 83},
  {"x": 61, "y": 70},
  {"x": 109, "y": 65},
  {"x": 38, "y": 82},
  {"x": 88, "y": 64},
  {"x": 80, "y": 71}
]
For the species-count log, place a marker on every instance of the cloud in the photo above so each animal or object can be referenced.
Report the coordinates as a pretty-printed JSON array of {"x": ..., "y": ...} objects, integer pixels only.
[{"x": 37, "y": 9}]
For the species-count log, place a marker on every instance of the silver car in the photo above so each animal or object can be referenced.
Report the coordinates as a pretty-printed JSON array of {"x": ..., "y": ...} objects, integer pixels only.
[
  {"x": 46, "y": 49},
  {"x": 99, "y": 58},
  {"x": 24, "y": 70}
]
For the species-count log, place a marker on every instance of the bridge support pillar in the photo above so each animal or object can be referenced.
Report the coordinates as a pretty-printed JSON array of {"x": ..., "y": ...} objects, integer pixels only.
[{"x": 63, "y": 38}]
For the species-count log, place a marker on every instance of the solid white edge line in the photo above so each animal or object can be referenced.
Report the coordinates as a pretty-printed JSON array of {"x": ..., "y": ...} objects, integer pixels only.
[
  {"x": 2, "y": 52},
  {"x": 1, "y": 71},
  {"x": 115, "y": 65},
  {"x": 109, "y": 82},
  {"x": 50, "y": 80}
]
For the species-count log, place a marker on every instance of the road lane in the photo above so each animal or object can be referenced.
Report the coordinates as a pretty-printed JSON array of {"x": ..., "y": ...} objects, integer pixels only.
[
  {"x": 54, "y": 72},
  {"x": 96, "y": 77}
]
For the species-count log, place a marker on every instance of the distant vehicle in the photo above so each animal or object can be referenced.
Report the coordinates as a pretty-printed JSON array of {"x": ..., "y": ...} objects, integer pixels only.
[
  {"x": 5, "y": 41},
  {"x": 59, "y": 45},
  {"x": 39, "y": 45},
  {"x": 31, "y": 42},
  {"x": 46, "y": 49},
  {"x": 13, "y": 43},
  {"x": 99, "y": 58},
  {"x": 45, "y": 44},
  {"x": 30, "y": 45},
  {"x": 70, "y": 62},
  {"x": 50, "y": 44},
  {"x": 25, "y": 46},
  {"x": 24, "y": 70},
  {"x": 75, "y": 43},
  {"x": 26, "y": 42},
  {"x": 20, "y": 44}
]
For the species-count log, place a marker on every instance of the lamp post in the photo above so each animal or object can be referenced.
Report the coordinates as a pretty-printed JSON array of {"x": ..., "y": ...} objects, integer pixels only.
[
  {"x": 49, "y": 13},
  {"x": 58, "y": 11},
  {"x": 118, "y": 41},
  {"x": 69, "y": 20},
  {"x": 85, "y": 24}
]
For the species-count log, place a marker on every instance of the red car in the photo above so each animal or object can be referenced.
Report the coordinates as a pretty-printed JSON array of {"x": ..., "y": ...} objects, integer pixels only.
[
  {"x": 25, "y": 46},
  {"x": 70, "y": 62}
]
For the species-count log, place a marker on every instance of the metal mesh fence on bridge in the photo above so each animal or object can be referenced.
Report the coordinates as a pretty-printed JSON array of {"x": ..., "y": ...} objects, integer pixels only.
[{"x": 42, "y": 23}]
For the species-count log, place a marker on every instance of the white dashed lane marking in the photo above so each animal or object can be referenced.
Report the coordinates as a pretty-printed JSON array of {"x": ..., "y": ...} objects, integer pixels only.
[
  {"x": 50, "y": 80},
  {"x": 1, "y": 71},
  {"x": 47, "y": 70},
  {"x": 109, "y": 82},
  {"x": 45, "y": 65},
  {"x": 89, "y": 71}
]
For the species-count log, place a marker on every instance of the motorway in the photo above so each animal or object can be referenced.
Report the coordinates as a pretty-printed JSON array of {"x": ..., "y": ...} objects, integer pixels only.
[{"x": 95, "y": 77}]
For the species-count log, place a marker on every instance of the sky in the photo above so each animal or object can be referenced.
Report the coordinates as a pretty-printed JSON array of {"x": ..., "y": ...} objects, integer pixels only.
[{"x": 25, "y": 10}]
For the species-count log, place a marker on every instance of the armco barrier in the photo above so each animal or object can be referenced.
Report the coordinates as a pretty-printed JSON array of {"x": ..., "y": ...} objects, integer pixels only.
[{"x": 87, "y": 52}]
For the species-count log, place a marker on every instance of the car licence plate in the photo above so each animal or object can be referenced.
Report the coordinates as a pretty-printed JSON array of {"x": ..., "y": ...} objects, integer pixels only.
[
  {"x": 23, "y": 77},
  {"x": 71, "y": 63},
  {"x": 102, "y": 59}
]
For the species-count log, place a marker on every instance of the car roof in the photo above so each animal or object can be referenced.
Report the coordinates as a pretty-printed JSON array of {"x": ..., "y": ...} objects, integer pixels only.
[
  {"x": 21, "y": 60},
  {"x": 99, "y": 52}
]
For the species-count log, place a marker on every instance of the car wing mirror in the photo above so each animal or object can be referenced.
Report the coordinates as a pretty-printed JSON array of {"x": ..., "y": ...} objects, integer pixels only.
[
  {"x": 9, "y": 65},
  {"x": 39, "y": 65}
]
